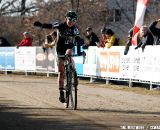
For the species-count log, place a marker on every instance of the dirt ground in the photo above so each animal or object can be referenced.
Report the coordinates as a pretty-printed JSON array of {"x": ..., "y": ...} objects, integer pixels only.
[{"x": 31, "y": 103}]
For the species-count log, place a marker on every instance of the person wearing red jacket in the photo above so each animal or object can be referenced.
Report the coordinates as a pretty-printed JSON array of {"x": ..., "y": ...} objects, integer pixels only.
[{"x": 27, "y": 40}]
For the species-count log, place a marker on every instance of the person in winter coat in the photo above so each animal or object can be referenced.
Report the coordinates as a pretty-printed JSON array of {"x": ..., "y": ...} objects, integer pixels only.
[
  {"x": 109, "y": 38},
  {"x": 155, "y": 32},
  {"x": 146, "y": 38},
  {"x": 26, "y": 41},
  {"x": 4, "y": 42},
  {"x": 92, "y": 38}
]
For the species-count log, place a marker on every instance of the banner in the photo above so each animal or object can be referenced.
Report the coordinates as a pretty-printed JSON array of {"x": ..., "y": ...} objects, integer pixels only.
[
  {"x": 10, "y": 58},
  {"x": 2, "y": 58},
  {"x": 25, "y": 58},
  {"x": 51, "y": 59},
  {"x": 41, "y": 59}
]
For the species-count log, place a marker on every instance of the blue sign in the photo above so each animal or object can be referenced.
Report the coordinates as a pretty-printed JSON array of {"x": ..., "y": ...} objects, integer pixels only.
[
  {"x": 7, "y": 58},
  {"x": 10, "y": 58}
]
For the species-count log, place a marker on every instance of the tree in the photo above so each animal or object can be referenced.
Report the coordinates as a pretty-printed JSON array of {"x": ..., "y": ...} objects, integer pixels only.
[{"x": 16, "y": 7}]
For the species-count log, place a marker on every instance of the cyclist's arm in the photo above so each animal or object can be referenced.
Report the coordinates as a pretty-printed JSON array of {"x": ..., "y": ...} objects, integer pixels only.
[{"x": 46, "y": 25}]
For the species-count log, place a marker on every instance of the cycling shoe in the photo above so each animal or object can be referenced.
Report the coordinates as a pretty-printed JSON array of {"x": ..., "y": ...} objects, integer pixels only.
[{"x": 61, "y": 98}]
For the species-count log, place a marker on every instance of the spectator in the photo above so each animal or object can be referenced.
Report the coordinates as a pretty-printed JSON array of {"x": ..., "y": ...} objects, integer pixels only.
[
  {"x": 110, "y": 38},
  {"x": 146, "y": 38},
  {"x": 104, "y": 38},
  {"x": 50, "y": 40},
  {"x": 155, "y": 32},
  {"x": 92, "y": 38},
  {"x": 4, "y": 42},
  {"x": 129, "y": 41},
  {"x": 26, "y": 41}
]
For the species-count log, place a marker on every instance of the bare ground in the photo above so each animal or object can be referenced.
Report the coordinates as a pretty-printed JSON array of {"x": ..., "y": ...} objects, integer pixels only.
[{"x": 31, "y": 103}]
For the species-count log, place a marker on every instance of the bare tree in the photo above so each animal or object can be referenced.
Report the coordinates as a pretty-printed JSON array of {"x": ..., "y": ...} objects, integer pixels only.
[
  {"x": 19, "y": 15},
  {"x": 15, "y": 7}
]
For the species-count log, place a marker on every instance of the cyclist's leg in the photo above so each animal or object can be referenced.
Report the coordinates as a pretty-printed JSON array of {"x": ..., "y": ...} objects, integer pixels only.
[{"x": 61, "y": 79}]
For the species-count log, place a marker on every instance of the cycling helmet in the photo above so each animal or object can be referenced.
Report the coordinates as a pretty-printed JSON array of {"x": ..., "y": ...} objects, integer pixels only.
[{"x": 72, "y": 15}]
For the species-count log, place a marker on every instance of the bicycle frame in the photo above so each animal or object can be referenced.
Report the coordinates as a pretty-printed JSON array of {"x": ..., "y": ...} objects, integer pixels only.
[{"x": 71, "y": 81}]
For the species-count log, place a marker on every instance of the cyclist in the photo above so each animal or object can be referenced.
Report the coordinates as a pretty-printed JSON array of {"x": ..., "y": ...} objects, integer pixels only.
[{"x": 67, "y": 32}]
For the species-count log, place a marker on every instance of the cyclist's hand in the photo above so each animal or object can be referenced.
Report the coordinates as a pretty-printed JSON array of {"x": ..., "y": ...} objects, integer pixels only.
[{"x": 69, "y": 52}]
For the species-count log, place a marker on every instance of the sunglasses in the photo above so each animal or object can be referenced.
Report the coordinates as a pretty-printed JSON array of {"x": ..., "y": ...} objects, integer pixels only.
[{"x": 72, "y": 19}]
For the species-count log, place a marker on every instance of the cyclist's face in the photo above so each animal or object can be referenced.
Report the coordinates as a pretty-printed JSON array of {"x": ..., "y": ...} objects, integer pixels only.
[{"x": 70, "y": 21}]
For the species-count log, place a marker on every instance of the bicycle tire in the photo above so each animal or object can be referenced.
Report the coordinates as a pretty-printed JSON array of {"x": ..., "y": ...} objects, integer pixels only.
[
  {"x": 73, "y": 90},
  {"x": 67, "y": 99},
  {"x": 67, "y": 92}
]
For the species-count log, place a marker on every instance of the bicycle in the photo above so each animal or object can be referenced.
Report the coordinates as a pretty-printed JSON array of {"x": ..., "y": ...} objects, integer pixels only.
[{"x": 70, "y": 81}]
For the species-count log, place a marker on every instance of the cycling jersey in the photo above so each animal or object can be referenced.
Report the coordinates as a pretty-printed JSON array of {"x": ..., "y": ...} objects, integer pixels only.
[{"x": 66, "y": 35}]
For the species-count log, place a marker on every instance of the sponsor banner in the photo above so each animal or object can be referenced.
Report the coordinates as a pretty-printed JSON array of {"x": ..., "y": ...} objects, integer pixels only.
[
  {"x": 10, "y": 58},
  {"x": 41, "y": 59},
  {"x": 156, "y": 62},
  {"x": 134, "y": 65},
  {"x": 150, "y": 65},
  {"x": 114, "y": 57},
  {"x": 89, "y": 68},
  {"x": 108, "y": 62},
  {"x": 51, "y": 59},
  {"x": 25, "y": 58},
  {"x": 125, "y": 63},
  {"x": 102, "y": 62},
  {"x": 145, "y": 64},
  {"x": 2, "y": 58},
  {"x": 79, "y": 64}
]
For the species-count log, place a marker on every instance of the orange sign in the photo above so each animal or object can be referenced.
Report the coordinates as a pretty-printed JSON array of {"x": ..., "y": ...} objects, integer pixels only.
[
  {"x": 114, "y": 61},
  {"x": 103, "y": 59}
]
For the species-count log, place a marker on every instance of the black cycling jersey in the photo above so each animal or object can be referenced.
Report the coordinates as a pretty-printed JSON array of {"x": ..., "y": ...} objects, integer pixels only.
[{"x": 66, "y": 35}]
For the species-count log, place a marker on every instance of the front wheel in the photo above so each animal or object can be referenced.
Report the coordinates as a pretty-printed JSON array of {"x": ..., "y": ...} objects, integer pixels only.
[{"x": 73, "y": 90}]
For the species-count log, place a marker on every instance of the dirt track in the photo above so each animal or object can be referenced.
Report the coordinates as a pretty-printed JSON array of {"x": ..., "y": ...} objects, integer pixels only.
[{"x": 31, "y": 103}]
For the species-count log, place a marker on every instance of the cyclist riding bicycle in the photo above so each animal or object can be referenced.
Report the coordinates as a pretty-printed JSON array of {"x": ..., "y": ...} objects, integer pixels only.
[{"x": 68, "y": 31}]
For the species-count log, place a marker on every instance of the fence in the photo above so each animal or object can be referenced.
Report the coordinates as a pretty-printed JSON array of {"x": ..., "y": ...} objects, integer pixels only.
[{"x": 109, "y": 64}]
